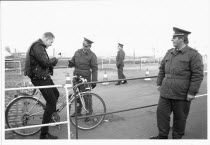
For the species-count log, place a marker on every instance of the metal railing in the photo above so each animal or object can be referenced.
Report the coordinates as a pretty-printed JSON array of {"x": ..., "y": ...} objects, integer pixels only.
[
  {"x": 66, "y": 87},
  {"x": 76, "y": 117}
]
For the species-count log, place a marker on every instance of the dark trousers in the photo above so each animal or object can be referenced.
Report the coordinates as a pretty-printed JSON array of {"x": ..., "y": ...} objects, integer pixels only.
[
  {"x": 51, "y": 96},
  {"x": 120, "y": 73},
  {"x": 180, "y": 109},
  {"x": 87, "y": 98},
  {"x": 88, "y": 104}
]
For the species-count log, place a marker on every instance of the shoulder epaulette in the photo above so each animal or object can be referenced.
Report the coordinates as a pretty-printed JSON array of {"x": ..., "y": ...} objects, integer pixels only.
[
  {"x": 170, "y": 49},
  {"x": 193, "y": 49}
]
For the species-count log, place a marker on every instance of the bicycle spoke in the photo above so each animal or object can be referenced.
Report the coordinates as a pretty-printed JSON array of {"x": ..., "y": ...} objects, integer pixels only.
[
  {"x": 98, "y": 107},
  {"x": 25, "y": 111}
]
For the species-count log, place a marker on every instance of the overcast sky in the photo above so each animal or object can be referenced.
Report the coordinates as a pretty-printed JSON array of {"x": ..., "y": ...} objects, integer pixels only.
[{"x": 140, "y": 25}]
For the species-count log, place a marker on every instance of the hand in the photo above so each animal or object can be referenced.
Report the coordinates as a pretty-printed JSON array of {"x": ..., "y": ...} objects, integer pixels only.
[
  {"x": 190, "y": 97},
  {"x": 93, "y": 86},
  {"x": 59, "y": 56},
  {"x": 158, "y": 88},
  {"x": 71, "y": 64},
  {"x": 51, "y": 71}
]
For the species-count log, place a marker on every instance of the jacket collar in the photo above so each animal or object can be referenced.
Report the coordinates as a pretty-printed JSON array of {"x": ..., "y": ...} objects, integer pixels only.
[
  {"x": 86, "y": 51},
  {"x": 183, "y": 50},
  {"x": 41, "y": 42}
]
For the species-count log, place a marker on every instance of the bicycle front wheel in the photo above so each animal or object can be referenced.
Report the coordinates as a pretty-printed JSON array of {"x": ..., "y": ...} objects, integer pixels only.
[
  {"x": 24, "y": 111},
  {"x": 98, "y": 107}
]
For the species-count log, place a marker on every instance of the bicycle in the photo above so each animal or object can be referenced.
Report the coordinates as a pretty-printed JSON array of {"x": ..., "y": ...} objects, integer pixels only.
[{"x": 26, "y": 109}]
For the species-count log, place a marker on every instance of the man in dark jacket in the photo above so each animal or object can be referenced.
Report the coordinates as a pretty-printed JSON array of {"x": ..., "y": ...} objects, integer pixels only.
[
  {"x": 120, "y": 64},
  {"x": 179, "y": 79},
  {"x": 38, "y": 67},
  {"x": 85, "y": 63}
]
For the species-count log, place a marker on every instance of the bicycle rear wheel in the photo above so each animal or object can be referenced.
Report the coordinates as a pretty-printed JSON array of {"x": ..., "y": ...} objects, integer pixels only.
[
  {"x": 98, "y": 107},
  {"x": 24, "y": 111}
]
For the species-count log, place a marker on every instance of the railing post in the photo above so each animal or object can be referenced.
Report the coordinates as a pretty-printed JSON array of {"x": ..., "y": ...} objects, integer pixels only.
[
  {"x": 76, "y": 121},
  {"x": 66, "y": 86}
]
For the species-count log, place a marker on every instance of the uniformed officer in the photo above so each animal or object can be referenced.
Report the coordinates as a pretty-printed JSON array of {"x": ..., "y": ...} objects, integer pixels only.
[
  {"x": 85, "y": 63},
  {"x": 39, "y": 67},
  {"x": 179, "y": 79},
  {"x": 120, "y": 64}
]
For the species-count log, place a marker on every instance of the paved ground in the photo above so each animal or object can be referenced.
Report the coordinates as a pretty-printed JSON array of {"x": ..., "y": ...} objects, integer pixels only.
[{"x": 136, "y": 124}]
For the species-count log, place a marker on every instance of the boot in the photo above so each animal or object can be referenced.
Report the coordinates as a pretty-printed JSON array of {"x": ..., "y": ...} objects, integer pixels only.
[
  {"x": 79, "y": 110},
  {"x": 125, "y": 82},
  {"x": 74, "y": 114},
  {"x": 158, "y": 137},
  {"x": 118, "y": 83}
]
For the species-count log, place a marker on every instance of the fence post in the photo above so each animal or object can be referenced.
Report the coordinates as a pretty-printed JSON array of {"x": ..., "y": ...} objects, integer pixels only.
[
  {"x": 140, "y": 64},
  {"x": 102, "y": 64},
  {"x": 68, "y": 85},
  {"x": 20, "y": 66}
]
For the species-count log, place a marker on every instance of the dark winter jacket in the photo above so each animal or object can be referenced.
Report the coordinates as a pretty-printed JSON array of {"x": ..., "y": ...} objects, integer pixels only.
[{"x": 180, "y": 73}]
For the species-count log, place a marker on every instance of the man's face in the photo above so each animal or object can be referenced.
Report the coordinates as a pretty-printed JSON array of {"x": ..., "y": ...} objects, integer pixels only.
[
  {"x": 119, "y": 47},
  {"x": 86, "y": 45},
  {"x": 176, "y": 41},
  {"x": 48, "y": 41}
]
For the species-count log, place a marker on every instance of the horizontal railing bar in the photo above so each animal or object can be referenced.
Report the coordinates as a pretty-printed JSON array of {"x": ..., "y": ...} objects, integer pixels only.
[
  {"x": 129, "y": 109},
  {"x": 113, "y": 80},
  {"x": 34, "y": 126},
  {"x": 118, "y": 111},
  {"x": 200, "y": 95},
  {"x": 37, "y": 87}
]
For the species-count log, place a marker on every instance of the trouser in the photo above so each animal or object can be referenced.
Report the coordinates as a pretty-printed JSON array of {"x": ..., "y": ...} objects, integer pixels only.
[
  {"x": 51, "y": 96},
  {"x": 88, "y": 104},
  {"x": 180, "y": 109},
  {"x": 120, "y": 73},
  {"x": 87, "y": 98}
]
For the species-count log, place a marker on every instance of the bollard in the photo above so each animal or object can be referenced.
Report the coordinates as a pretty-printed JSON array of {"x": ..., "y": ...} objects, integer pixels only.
[
  {"x": 105, "y": 78},
  {"x": 68, "y": 80},
  {"x": 147, "y": 75}
]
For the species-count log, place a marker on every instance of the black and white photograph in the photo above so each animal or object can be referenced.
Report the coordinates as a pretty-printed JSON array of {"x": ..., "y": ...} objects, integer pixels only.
[{"x": 100, "y": 71}]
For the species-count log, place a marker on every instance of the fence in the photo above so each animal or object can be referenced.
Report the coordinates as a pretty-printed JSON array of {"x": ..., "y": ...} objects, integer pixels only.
[
  {"x": 11, "y": 66},
  {"x": 66, "y": 87},
  {"x": 76, "y": 117}
]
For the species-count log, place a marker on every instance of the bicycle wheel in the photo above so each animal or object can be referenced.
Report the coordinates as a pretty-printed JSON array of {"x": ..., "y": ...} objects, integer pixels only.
[
  {"x": 98, "y": 107},
  {"x": 24, "y": 111}
]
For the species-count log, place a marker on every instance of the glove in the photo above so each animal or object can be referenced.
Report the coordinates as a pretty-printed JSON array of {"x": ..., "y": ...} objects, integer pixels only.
[
  {"x": 93, "y": 86},
  {"x": 51, "y": 71},
  {"x": 71, "y": 64}
]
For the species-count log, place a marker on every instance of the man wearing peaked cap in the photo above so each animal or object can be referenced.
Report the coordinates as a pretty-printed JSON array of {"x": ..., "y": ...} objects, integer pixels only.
[
  {"x": 179, "y": 79},
  {"x": 85, "y": 63},
  {"x": 121, "y": 45},
  {"x": 120, "y": 64},
  {"x": 180, "y": 32},
  {"x": 88, "y": 41}
]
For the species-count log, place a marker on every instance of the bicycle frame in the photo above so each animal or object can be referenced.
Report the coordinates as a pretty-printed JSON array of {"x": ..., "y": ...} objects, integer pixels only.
[{"x": 78, "y": 93}]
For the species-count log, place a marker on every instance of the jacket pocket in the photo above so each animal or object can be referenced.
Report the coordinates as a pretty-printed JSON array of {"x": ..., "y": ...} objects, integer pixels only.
[
  {"x": 180, "y": 87},
  {"x": 184, "y": 63},
  {"x": 39, "y": 72}
]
